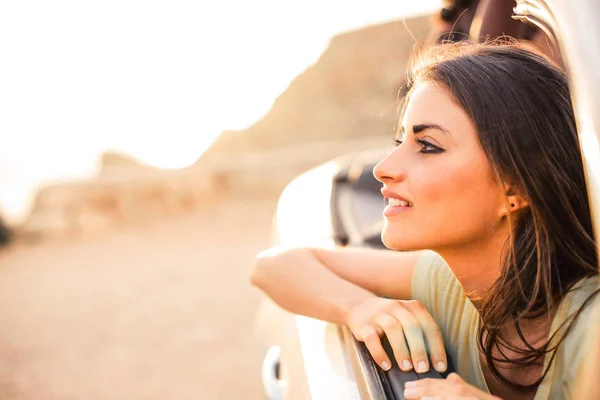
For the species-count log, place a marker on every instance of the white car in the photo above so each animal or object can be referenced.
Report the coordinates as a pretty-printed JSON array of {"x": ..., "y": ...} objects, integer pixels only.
[{"x": 306, "y": 358}]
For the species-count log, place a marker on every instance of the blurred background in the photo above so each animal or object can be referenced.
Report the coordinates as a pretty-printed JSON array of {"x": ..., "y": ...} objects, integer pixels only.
[{"x": 145, "y": 145}]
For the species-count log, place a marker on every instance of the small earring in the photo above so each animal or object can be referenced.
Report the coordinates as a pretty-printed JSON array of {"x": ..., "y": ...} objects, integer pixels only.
[{"x": 512, "y": 204}]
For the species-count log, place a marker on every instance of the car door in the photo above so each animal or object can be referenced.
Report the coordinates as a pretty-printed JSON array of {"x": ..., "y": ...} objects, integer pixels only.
[{"x": 324, "y": 361}]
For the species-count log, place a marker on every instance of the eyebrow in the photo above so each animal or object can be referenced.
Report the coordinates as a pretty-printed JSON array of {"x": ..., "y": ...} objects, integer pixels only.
[{"x": 422, "y": 127}]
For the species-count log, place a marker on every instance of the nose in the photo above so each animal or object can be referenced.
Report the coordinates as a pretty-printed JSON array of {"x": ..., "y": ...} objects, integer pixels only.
[{"x": 390, "y": 168}]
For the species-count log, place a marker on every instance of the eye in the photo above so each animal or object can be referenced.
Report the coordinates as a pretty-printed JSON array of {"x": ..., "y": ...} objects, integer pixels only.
[
  {"x": 399, "y": 137},
  {"x": 428, "y": 148}
]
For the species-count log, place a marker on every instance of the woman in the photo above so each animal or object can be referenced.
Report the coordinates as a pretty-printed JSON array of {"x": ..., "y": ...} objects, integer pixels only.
[{"x": 487, "y": 197}]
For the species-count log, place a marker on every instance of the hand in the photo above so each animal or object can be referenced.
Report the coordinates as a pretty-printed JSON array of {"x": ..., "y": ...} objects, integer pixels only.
[
  {"x": 396, "y": 319},
  {"x": 451, "y": 388}
]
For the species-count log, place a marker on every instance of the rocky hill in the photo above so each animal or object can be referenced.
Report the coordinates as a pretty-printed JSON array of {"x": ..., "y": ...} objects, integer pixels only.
[
  {"x": 349, "y": 92},
  {"x": 343, "y": 103}
]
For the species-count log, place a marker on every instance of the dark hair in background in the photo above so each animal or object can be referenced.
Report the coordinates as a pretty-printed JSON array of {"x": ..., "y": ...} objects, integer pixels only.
[
  {"x": 459, "y": 15},
  {"x": 5, "y": 233},
  {"x": 521, "y": 107}
]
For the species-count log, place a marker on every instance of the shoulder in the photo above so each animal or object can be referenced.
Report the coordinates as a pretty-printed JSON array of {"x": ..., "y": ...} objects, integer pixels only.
[
  {"x": 429, "y": 269},
  {"x": 433, "y": 278},
  {"x": 577, "y": 310},
  {"x": 581, "y": 303},
  {"x": 438, "y": 289},
  {"x": 582, "y": 309}
]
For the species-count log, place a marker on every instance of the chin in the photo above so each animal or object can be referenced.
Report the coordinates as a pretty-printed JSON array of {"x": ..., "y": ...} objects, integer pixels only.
[{"x": 399, "y": 240}]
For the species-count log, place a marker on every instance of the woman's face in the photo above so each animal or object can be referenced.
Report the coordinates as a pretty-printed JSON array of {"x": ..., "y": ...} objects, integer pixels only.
[{"x": 438, "y": 184}]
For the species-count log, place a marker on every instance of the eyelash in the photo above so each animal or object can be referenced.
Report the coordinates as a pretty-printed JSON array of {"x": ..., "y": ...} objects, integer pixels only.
[{"x": 424, "y": 143}]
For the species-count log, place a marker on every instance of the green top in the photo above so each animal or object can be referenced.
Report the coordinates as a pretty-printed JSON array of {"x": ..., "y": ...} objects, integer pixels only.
[{"x": 436, "y": 287}]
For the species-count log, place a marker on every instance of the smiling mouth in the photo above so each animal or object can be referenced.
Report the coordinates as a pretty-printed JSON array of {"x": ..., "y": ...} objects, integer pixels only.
[{"x": 399, "y": 203}]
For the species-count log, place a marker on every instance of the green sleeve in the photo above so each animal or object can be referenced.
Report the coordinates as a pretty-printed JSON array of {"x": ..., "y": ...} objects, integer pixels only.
[{"x": 436, "y": 287}]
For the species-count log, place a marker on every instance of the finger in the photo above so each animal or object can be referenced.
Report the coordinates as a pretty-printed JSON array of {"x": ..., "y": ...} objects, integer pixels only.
[
  {"x": 373, "y": 343},
  {"x": 453, "y": 387},
  {"x": 414, "y": 337},
  {"x": 427, "y": 387},
  {"x": 448, "y": 398},
  {"x": 454, "y": 378},
  {"x": 395, "y": 334},
  {"x": 433, "y": 334}
]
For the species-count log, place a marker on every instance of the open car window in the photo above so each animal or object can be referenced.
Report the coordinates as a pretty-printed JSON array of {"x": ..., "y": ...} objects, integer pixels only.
[
  {"x": 355, "y": 207},
  {"x": 576, "y": 33}
]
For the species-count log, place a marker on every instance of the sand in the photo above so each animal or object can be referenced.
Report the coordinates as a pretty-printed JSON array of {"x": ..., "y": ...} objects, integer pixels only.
[{"x": 160, "y": 311}]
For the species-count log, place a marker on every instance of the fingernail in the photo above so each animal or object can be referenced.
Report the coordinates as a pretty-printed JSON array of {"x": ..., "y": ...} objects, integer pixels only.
[
  {"x": 440, "y": 366},
  {"x": 410, "y": 392},
  {"x": 410, "y": 384},
  {"x": 385, "y": 365},
  {"x": 421, "y": 366},
  {"x": 406, "y": 365}
]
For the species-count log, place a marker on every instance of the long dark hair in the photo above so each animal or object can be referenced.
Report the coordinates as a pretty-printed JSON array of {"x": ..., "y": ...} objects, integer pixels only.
[{"x": 521, "y": 106}]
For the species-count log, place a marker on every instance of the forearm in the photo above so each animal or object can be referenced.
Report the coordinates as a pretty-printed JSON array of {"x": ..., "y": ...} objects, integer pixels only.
[{"x": 299, "y": 283}]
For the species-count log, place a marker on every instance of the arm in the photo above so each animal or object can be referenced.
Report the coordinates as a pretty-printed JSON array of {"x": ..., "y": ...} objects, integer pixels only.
[
  {"x": 325, "y": 284},
  {"x": 587, "y": 385},
  {"x": 342, "y": 286},
  {"x": 451, "y": 388}
]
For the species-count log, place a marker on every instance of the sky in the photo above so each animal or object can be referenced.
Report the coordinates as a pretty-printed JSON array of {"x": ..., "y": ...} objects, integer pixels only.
[{"x": 158, "y": 80}]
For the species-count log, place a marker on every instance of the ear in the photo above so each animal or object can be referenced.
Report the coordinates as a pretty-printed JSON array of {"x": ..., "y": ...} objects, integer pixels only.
[{"x": 514, "y": 202}]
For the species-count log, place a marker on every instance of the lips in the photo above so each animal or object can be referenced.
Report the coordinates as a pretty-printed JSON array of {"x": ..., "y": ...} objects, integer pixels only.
[{"x": 395, "y": 199}]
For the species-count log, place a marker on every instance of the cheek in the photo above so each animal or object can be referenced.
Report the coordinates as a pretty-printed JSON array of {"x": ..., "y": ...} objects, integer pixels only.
[
  {"x": 462, "y": 186},
  {"x": 440, "y": 187},
  {"x": 454, "y": 203},
  {"x": 461, "y": 200}
]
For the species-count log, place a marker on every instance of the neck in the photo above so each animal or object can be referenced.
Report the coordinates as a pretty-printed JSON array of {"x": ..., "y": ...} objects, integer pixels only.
[{"x": 477, "y": 265}]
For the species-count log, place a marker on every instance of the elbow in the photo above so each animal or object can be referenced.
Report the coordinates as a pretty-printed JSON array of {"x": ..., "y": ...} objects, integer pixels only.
[
  {"x": 256, "y": 274},
  {"x": 259, "y": 273},
  {"x": 274, "y": 266}
]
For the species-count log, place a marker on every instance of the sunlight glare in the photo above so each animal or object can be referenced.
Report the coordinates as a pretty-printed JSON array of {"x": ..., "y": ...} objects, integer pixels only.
[{"x": 156, "y": 80}]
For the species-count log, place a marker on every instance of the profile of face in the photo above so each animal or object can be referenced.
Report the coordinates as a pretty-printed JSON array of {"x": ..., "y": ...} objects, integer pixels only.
[{"x": 440, "y": 188}]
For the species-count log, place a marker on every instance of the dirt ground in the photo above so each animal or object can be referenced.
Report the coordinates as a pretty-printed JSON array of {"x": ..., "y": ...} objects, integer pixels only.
[{"x": 162, "y": 311}]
